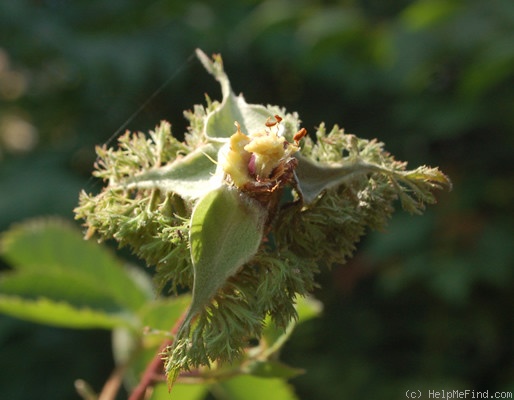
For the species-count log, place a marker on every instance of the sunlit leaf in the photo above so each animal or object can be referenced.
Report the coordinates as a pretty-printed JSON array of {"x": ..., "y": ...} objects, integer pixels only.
[
  {"x": 195, "y": 391},
  {"x": 68, "y": 286},
  {"x": 271, "y": 369},
  {"x": 161, "y": 314},
  {"x": 57, "y": 249},
  {"x": 308, "y": 308},
  {"x": 252, "y": 388},
  {"x": 61, "y": 314}
]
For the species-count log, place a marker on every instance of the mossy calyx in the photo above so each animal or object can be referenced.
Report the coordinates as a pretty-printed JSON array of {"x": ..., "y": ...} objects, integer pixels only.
[{"x": 317, "y": 198}]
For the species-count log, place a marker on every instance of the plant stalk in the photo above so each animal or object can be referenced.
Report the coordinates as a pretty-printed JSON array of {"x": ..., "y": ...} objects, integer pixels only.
[{"x": 155, "y": 368}]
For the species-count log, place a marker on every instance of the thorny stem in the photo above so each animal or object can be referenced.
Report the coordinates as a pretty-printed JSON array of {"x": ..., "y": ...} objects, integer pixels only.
[{"x": 154, "y": 370}]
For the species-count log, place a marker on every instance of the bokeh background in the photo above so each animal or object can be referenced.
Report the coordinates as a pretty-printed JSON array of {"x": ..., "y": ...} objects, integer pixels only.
[{"x": 427, "y": 304}]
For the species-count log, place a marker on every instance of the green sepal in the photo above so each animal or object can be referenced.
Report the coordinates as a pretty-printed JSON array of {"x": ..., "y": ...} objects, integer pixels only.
[
  {"x": 226, "y": 231},
  {"x": 191, "y": 177},
  {"x": 219, "y": 123},
  {"x": 314, "y": 177},
  {"x": 414, "y": 187}
]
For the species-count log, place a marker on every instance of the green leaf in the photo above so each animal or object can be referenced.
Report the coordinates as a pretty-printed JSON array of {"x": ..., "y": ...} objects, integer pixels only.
[
  {"x": 247, "y": 387},
  {"x": 66, "y": 286},
  {"x": 226, "y": 231},
  {"x": 308, "y": 308},
  {"x": 157, "y": 317},
  {"x": 60, "y": 314},
  {"x": 54, "y": 248},
  {"x": 274, "y": 338},
  {"x": 190, "y": 177},
  {"x": 196, "y": 391},
  {"x": 219, "y": 123},
  {"x": 162, "y": 314},
  {"x": 271, "y": 369}
]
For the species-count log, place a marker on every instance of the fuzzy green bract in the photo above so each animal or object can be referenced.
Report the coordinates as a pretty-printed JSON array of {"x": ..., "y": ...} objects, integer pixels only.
[
  {"x": 226, "y": 231},
  {"x": 248, "y": 257}
]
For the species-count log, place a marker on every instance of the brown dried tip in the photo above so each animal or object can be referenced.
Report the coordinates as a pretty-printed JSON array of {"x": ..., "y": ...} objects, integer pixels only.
[
  {"x": 300, "y": 135},
  {"x": 269, "y": 123}
]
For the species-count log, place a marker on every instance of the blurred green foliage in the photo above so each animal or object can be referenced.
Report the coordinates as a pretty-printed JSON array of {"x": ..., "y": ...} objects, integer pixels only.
[
  {"x": 65, "y": 281},
  {"x": 428, "y": 304}
]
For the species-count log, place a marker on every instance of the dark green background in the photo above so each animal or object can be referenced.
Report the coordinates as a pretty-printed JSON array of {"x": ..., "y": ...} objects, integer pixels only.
[{"x": 428, "y": 304}]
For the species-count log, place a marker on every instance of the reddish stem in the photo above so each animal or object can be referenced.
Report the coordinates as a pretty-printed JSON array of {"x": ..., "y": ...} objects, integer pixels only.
[
  {"x": 154, "y": 369},
  {"x": 113, "y": 384}
]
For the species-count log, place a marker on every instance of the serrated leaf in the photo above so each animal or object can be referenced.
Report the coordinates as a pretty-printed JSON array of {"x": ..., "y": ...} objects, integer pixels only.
[
  {"x": 55, "y": 248},
  {"x": 226, "y": 231},
  {"x": 247, "y": 387},
  {"x": 60, "y": 314},
  {"x": 190, "y": 177},
  {"x": 219, "y": 124}
]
